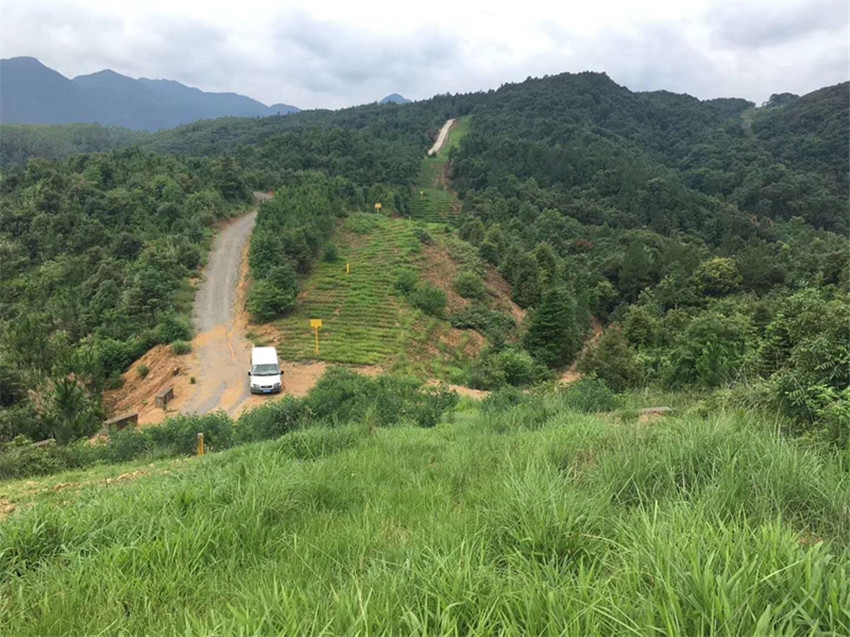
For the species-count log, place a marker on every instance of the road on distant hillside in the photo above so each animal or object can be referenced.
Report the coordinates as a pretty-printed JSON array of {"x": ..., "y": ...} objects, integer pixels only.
[
  {"x": 442, "y": 137},
  {"x": 220, "y": 346}
]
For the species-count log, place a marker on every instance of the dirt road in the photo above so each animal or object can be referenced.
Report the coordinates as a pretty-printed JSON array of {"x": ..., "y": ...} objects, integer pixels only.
[
  {"x": 221, "y": 349},
  {"x": 441, "y": 138}
]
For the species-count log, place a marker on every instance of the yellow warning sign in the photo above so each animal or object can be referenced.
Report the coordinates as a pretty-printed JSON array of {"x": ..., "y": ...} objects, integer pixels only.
[
  {"x": 316, "y": 324},
  {"x": 377, "y": 206}
]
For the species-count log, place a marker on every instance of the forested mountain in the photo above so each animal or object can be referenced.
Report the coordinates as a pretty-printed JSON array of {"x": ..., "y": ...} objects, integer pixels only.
[
  {"x": 31, "y": 93},
  {"x": 710, "y": 237}
]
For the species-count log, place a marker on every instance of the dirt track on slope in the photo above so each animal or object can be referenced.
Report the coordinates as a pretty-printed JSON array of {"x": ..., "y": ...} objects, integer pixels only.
[
  {"x": 221, "y": 350},
  {"x": 442, "y": 137}
]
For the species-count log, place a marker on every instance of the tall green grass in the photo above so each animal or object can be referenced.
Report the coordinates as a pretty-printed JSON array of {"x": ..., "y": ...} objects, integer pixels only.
[{"x": 573, "y": 525}]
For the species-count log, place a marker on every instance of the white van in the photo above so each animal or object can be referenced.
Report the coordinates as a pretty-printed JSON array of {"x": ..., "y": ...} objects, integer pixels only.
[{"x": 265, "y": 372}]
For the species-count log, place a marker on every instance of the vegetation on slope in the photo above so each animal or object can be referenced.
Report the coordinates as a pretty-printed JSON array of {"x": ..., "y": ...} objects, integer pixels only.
[
  {"x": 396, "y": 307},
  {"x": 687, "y": 224},
  {"x": 532, "y": 519},
  {"x": 340, "y": 397},
  {"x": 96, "y": 253},
  {"x": 574, "y": 183},
  {"x": 20, "y": 142}
]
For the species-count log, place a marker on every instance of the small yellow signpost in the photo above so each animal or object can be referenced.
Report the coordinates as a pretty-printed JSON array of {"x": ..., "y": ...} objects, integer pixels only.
[
  {"x": 348, "y": 268},
  {"x": 422, "y": 194},
  {"x": 378, "y": 207},
  {"x": 200, "y": 444},
  {"x": 316, "y": 324}
]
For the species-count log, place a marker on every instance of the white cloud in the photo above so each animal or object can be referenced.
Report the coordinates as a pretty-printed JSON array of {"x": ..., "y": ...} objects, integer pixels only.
[{"x": 333, "y": 54}]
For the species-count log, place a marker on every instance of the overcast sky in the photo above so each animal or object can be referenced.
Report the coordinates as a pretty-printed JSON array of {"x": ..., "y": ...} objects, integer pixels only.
[{"x": 335, "y": 54}]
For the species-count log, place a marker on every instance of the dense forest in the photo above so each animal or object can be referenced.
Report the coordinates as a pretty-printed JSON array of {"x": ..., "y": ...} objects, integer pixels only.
[{"x": 709, "y": 237}]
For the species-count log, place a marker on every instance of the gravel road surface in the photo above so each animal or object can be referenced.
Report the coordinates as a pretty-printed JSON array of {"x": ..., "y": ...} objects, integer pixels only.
[{"x": 221, "y": 348}]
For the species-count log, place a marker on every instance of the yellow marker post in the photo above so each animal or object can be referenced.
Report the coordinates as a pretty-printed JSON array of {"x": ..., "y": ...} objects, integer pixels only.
[
  {"x": 316, "y": 324},
  {"x": 422, "y": 194},
  {"x": 200, "y": 444},
  {"x": 348, "y": 268},
  {"x": 378, "y": 207}
]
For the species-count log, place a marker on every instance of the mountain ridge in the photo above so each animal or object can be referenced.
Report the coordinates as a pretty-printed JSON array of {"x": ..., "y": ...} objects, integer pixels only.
[{"x": 33, "y": 93}]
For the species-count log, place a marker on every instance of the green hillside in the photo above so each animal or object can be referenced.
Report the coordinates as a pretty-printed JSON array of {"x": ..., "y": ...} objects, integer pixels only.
[
  {"x": 365, "y": 318},
  {"x": 533, "y": 520}
]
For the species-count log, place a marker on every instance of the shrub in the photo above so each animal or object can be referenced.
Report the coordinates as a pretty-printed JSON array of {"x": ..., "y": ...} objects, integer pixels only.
[
  {"x": 806, "y": 350},
  {"x": 711, "y": 349},
  {"x": 339, "y": 395},
  {"x": 486, "y": 372},
  {"x": 266, "y": 301},
  {"x": 612, "y": 360},
  {"x": 173, "y": 327},
  {"x": 590, "y": 395},
  {"x": 514, "y": 367},
  {"x": 430, "y": 300},
  {"x": 272, "y": 420},
  {"x": 113, "y": 356},
  {"x": 520, "y": 368},
  {"x": 179, "y": 348},
  {"x": 362, "y": 224},
  {"x": 497, "y": 327},
  {"x": 407, "y": 281},
  {"x": 331, "y": 254},
  {"x": 143, "y": 371},
  {"x": 179, "y": 435},
  {"x": 642, "y": 326},
  {"x": 469, "y": 285},
  {"x": 127, "y": 444},
  {"x": 342, "y": 396},
  {"x": 284, "y": 278},
  {"x": 21, "y": 419},
  {"x": 21, "y": 458},
  {"x": 433, "y": 404},
  {"x": 502, "y": 399},
  {"x": 423, "y": 235}
]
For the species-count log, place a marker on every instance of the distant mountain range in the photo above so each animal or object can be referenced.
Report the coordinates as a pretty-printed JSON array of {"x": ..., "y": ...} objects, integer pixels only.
[
  {"x": 394, "y": 98},
  {"x": 31, "y": 93}
]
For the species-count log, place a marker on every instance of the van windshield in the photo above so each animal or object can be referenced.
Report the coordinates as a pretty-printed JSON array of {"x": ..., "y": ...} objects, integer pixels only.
[{"x": 269, "y": 369}]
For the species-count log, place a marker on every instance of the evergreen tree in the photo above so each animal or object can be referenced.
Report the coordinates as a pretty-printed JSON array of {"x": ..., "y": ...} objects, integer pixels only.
[
  {"x": 526, "y": 281},
  {"x": 554, "y": 335},
  {"x": 547, "y": 262}
]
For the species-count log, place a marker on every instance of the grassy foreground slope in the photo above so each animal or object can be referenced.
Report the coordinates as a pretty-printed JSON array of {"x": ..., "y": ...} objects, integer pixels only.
[{"x": 533, "y": 520}]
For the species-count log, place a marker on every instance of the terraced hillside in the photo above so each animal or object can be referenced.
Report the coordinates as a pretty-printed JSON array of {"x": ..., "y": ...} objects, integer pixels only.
[
  {"x": 365, "y": 321},
  {"x": 431, "y": 200}
]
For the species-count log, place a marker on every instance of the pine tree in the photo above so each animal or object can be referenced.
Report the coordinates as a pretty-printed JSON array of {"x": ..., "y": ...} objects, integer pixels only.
[{"x": 554, "y": 335}]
